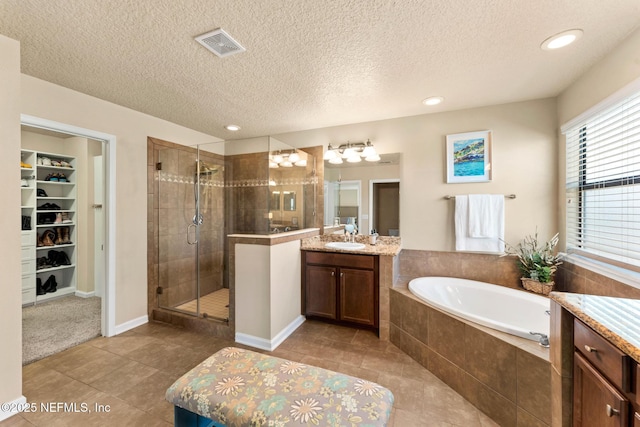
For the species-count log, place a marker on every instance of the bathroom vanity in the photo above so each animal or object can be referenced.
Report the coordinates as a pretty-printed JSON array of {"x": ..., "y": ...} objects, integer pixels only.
[
  {"x": 597, "y": 351},
  {"x": 348, "y": 286},
  {"x": 341, "y": 287}
]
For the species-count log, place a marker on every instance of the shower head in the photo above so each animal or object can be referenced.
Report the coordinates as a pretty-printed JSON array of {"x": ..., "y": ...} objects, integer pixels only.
[{"x": 208, "y": 169}]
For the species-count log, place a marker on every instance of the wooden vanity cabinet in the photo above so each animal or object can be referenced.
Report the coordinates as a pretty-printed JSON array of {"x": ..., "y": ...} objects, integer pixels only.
[
  {"x": 603, "y": 392},
  {"x": 341, "y": 288}
]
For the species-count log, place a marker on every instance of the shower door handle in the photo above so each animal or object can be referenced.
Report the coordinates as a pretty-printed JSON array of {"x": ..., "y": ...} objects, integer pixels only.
[{"x": 188, "y": 230}]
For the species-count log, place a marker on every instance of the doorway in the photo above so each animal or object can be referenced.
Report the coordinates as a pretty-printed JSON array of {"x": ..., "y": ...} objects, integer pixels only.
[
  {"x": 385, "y": 207},
  {"x": 106, "y": 261}
]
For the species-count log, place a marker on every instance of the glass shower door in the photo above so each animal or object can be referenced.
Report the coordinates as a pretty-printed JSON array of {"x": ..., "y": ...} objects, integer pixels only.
[{"x": 190, "y": 233}]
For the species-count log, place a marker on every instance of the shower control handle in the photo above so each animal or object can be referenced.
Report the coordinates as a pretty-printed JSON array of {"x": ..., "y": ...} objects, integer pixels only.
[{"x": 188, "y": 235}]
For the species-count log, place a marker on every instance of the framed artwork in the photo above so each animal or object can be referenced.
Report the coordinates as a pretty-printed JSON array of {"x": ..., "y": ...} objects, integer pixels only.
[{"x": 469, "y": 157}]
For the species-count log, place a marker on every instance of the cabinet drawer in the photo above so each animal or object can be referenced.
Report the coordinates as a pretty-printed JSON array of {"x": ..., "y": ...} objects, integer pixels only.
[
  {"x": 341, "y": 260},
  {"x": 28, "y": 266},
  {"x": 28, "y": 253},
  {"x": 613, "y": 363},
  {"x": 28, "y": 281},
  {"x": 28, "y": 238},
  {"x": 28, "y": 296}
]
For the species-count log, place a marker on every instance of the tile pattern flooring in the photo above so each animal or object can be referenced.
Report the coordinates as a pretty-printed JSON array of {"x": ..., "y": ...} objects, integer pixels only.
[
  {"x": 131, "y": 372},
  {"x": 215, "y": 304}
]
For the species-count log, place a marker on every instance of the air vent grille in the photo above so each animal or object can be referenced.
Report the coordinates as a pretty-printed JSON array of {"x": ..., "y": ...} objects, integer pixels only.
[{"x": 220, "y": 43}]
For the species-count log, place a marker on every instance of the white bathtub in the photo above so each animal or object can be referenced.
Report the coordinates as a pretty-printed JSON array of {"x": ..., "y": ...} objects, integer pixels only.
[{"x": 504, "y": 309}]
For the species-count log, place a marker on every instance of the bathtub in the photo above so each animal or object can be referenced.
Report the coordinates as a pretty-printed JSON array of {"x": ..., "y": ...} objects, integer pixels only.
[{"x": 504, "y": 309}]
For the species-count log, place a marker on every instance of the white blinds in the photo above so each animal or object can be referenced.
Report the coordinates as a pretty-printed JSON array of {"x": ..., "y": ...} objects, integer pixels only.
[{"x": 603, "y": 184}]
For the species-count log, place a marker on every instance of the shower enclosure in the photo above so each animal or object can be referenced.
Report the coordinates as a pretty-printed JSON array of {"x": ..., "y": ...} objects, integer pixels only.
[
  {"x": 200, "y": 195},
  {"x": 190, "y": 193}
]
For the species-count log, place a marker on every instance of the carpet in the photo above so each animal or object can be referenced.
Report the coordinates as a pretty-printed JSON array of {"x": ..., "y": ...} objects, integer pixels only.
[{"x": 53, "y": 326}]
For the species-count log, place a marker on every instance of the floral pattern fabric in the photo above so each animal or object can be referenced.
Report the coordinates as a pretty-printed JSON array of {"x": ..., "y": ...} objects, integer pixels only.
[{"x": 239, "y": 387}]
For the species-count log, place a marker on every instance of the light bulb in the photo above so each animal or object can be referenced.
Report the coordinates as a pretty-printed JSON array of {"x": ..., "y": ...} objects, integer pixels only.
[
  {"x": 273, "y": 165},
  {"x": 286, "y": 164},
  {"x": 336, "y": 161},
  {"x": 348, "y": 152},
  {"x": 294, "y": 157},
  {"x": 368, "y": 151},
  {"x": 330, "y": 154},
  {"x": 301, "y": 163},
  {"x": 374, "y": 158},
  {"x": 355, "y": 158},
  {"x": 278, "y": 158}
]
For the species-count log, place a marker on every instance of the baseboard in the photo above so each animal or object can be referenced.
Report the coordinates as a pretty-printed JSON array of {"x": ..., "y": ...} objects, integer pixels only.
[
  {"x": 9, "y": 409},
  {"x": 82, "y": 294},
  {"x": 272, "y": 344},
  {"x": 133, "y": 323}
]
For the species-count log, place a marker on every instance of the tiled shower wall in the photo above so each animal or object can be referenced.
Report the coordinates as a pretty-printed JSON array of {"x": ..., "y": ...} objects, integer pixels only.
[{"x": 172, "y": 261}]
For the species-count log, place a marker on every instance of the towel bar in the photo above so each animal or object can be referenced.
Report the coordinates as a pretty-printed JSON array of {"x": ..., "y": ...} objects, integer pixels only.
[{"x": 508, "y": 196}]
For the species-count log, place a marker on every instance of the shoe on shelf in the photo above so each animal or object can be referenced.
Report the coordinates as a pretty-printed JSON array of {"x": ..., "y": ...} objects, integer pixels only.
[
  {"x": 48, "y": 237},
  {"x": 65, "y": 164},
  {"x": 26, "y": 222},
  {"x": 24, "y": 183},
  {"x": 42, "y": 193},
  {"x": 58, "y": 218},
  {"x": 55, "y": 162},
  {"x": 66, "y": 219},
  {"x": 53, "y": 177},
  {"x": 39, "y": 289},
  {"x": 50, "y": 285},
  {"x": 46, "y": 161},
  {"x": 25, "y": 165},
  {"x": 61, "y": 177},
  {"x": 64, "y": 234}
]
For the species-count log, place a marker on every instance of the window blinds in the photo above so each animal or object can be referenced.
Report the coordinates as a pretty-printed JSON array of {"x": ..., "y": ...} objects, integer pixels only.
[{"x": 603, "y": 184}]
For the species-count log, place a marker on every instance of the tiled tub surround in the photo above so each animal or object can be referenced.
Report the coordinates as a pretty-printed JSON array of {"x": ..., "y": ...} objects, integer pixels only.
[{"x": 506, "y": 377}]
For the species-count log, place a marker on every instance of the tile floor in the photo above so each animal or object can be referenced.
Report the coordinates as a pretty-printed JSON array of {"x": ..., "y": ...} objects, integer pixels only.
[{"x": 130, "y": 373}]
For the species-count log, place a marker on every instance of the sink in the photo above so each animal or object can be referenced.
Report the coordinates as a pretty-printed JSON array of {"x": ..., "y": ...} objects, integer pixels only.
[{"x": 348, "y": 246}]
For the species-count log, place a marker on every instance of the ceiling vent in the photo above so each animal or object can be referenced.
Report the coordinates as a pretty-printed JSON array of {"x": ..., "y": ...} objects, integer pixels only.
[{"x": 220, "y": 43}]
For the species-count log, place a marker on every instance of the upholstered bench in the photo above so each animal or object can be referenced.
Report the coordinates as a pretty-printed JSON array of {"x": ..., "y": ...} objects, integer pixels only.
[{"x": 236, "y": 387}]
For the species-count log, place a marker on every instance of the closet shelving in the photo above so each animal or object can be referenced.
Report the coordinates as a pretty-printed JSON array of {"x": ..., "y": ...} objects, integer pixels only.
[
  {"x": 27, "y": 207},
  {"x": 51, "y": 198}
]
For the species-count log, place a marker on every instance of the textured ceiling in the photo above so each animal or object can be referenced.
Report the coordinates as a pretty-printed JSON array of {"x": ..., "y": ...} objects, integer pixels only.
[{"x": 310, "y": 63}]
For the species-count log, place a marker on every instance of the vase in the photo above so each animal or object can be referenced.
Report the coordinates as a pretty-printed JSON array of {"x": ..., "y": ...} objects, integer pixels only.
[{"x": 536, "y": 286}]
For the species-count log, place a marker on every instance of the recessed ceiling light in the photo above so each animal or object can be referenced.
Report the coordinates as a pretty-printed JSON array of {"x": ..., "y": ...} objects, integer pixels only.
[
  {"x": 232, "y": 128},
  {"x": 562, "y": 39},
  {"x": 433, "y": 100}
]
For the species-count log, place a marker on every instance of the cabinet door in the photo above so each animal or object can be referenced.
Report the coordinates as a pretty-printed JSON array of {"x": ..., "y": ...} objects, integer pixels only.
[
  {"x": 357, "y": 296},
  {"x": 596, "y": 403},
  {"x": 320, "y": 292}
]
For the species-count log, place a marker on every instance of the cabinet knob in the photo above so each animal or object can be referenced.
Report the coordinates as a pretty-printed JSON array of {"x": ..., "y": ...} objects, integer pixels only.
[
  {"x": 590, "y": 349},
  {"x": 341, "y": 274},
  {"x": 333, "y": 273},
  {"x": 611, "y": 411}
]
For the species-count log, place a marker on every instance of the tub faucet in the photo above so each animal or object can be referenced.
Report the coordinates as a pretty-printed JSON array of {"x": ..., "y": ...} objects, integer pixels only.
[{"x": 544, "y": 339}]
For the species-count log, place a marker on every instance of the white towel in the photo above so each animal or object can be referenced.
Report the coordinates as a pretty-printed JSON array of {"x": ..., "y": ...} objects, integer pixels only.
[
  {"x": 485, "y": 211},
  {"x": 494, "y": 242}
]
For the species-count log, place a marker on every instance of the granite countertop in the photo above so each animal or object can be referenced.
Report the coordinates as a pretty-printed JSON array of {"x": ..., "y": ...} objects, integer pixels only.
[
  {"x": 385, "y": 245},
  {"x": 616, "y": 319}
]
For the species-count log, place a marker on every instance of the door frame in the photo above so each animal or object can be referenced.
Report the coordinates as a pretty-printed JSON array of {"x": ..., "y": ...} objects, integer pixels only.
[
  {"x": 108, "y": 323},
  {"x": 371, "y": 196}
]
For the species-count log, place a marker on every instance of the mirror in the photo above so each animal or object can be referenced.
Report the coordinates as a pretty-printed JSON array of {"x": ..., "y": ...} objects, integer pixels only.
[
  {"x": 366, "y": 193},
  {"x": 292, "y": 187}
]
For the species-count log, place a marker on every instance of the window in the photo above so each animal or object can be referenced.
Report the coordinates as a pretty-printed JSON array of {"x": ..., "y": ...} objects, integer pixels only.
[{"x": 603, "y": 184}]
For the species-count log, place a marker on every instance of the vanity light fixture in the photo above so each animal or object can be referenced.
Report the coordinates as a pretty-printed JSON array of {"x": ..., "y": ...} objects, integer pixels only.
[
  {"x": 352, "y": 152},
  {"x": 562, "y": 39},
  {"x": 286, "y": 159},
  {"x": 232, "y": 128},
  {"x": 432, "y": 100}
]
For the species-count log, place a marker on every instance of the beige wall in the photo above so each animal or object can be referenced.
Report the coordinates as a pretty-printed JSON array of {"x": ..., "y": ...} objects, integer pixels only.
[
  {"x": 524, "y": 163},
  {"x": 131, "y": 128},
  {"x": 11, "y": 301}
]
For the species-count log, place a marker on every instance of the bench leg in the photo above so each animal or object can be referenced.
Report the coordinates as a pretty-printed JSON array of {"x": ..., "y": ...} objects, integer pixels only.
[{"x": 185, "y": 418}]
